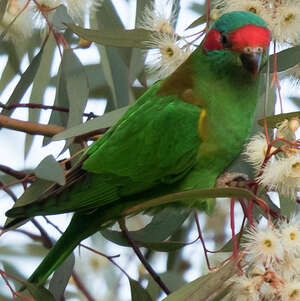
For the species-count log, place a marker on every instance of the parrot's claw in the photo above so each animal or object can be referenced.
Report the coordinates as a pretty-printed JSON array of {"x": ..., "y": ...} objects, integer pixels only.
[{"x": 232, "y": 179}]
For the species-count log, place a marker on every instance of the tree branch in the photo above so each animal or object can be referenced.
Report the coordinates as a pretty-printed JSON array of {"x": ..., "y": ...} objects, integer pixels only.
[
  {"x": 48, "y": 130},
  {"x": 42, "y": 107},
  {"x": 29, "y": 127},
  {"x": 141, "y": 257}
]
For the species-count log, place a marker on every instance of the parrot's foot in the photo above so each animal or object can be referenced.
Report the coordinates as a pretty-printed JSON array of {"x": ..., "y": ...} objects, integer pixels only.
[{"x": 232, "y": 179}]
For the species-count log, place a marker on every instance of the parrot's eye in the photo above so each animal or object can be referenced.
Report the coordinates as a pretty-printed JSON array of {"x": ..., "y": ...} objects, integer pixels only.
[{"x": 224, "y": 39}]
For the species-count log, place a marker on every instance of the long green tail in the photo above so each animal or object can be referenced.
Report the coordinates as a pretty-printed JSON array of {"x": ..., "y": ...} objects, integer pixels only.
[{"x": 80, "y": 227}]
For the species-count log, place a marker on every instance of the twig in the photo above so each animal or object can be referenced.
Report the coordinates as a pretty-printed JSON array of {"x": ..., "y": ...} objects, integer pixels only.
[
  {"x": 202, "y": 240},
  {"x": 8, "y": 191},
  {"x": 29, "y": 127},
  {"x": 232, "y": 225},
  {"x": 48, "y": 130},
  {"x": 43, "y": 107},
  {"x": 81, "y": 287},
  {"x": 141, "y": 257},
  {"x": 15, "y": 294},
  {"x": 20, "y": 175},
  {"x": 47, "y": 243}
]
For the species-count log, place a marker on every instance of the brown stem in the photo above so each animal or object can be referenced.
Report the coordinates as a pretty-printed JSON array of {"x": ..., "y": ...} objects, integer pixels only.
[
  {"x": 20, "y": 175},
  {"x": 29, "y": 127},
  {"x": 8, "y": 191},
  {"x": 47, "y": 243},
  {"x": 81, "y": 287},
  {"x": 141, "y": 257},
  {"x": 43, "y": 107},
  {"x": 48, "y": 130}
]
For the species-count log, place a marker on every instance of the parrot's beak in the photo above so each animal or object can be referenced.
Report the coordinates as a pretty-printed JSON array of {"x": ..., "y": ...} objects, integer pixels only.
[{"x": 251, "y": 59}]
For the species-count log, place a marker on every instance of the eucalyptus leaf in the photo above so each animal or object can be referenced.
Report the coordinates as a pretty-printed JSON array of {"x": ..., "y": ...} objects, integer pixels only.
[
  {"x": 173, "y": 280},
  {"x": 25, "y": 80},
  {"x": 61, "y": 277},
  {"x": 50, "y": 170},
  {"x": 3, "y": 5},
  {"x": 287, "y": 206},
  {"x": 138, "y": 293},
  {"x": 286, "y": 59},
  {"x": 39, "y": 292},
  {"x": 193, "y": 194},
  {"x": 205, "y": 286},
  {"x": 197, "y": 22},
  {"x": 39, "y": 86},
  {"x": 30, "y": 195},
  {"x": 273, "y": 121},
  {"x": 132, "y": 38},
  {"x": 60, "y": 18},
  {"x": 107, "y": 120},
  {"x": 163, "y": 224}
]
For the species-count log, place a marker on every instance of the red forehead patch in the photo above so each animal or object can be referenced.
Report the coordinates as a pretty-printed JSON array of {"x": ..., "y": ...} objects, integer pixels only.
[
  {"x": 250, "y": 35},
  {"x": 247, "y": 35},
  {"x": 212, "y": 41}
]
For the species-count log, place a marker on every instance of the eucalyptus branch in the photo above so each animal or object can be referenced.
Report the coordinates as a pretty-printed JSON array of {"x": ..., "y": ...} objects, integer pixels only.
[
  {"x": 20, "y": 175},
  {"x": 43, "y": 107},
  {"x": 81, "y": 287},
  {"x": 141, "y": 257},
  {"x": 8, "y": 191},
  {"x": 48, "y": 130},
  {"x": 29, "y": 127}
]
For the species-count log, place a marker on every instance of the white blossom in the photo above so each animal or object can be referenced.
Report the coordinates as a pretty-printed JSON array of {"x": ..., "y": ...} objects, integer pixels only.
[
  {"x": 256, "y": 149},
  {"x": 22, "y": 26},
  {"x": 290, "y": 291},
  {"x": 286, "y": 23},
  {"x": 167, "y": 55},
  {"x": 157, "y": 19},
  {"x": 283, "y": 175},
  {"x": 263, "y": 245}
]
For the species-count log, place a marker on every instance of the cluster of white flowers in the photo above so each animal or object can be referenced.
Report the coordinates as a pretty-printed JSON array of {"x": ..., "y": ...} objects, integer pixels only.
[
  {"x": 22, "y": 16},
  {"x": 282, "y": 16},
  {"x": 169, "y": 51},
  {"x": 273, "y": 270},
  {"x": 277, "y": 168}
]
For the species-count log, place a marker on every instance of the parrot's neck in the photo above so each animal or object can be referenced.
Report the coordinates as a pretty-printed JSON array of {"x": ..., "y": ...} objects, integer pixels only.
[{"x": 228, "y": 101}]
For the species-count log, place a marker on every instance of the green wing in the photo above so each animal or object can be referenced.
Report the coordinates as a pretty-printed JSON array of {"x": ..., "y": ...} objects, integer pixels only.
[{"x": 155, "y": 142}]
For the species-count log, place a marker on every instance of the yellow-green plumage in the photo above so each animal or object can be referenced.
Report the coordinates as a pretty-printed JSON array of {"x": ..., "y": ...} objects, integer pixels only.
[{"x": 181, "y": 134}]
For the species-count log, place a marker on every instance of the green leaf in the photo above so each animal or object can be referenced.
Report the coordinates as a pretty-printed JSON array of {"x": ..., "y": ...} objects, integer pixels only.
[
  {"x": 39, "y": 86},
  {"x": 61, "y": 277},
  {"x": 197, "y": 22},
  {"x": 12, "y": 270},
  {"x": 286, "y": 59},
  {"x": 163, "y": 224},
  {"x": 39, "y": 292},
  {"x": 72, "y": 92},
  {"x": 287, "y": 206},
  {"x": 205, "y": 286},
  {"x": 138, "y": 293},
  {"x": 25, "y": 80},
  {"x": 60, "y": 18},
  {"x": 76, "y": 85},
  {"x": 30, "y": 195},
  {"x": 3, "y": 5},
  {"x": 193, "y": 194},
  {"x": 173, "y": 281},
  {"x": 167, "y": 246},
  {"x": 50, "y": 170},
  {"x": 273, "y": 121},
  {"x": 132, "y": 38},
  {"x": 105, "y": 121}
]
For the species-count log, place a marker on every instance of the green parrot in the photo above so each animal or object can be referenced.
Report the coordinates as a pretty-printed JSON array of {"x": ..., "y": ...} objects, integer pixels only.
[{"x": 181, "y": 134}]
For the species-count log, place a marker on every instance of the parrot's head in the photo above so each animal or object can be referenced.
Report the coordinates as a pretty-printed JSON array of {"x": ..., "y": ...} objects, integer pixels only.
[{"x": 239, "y": 38}]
